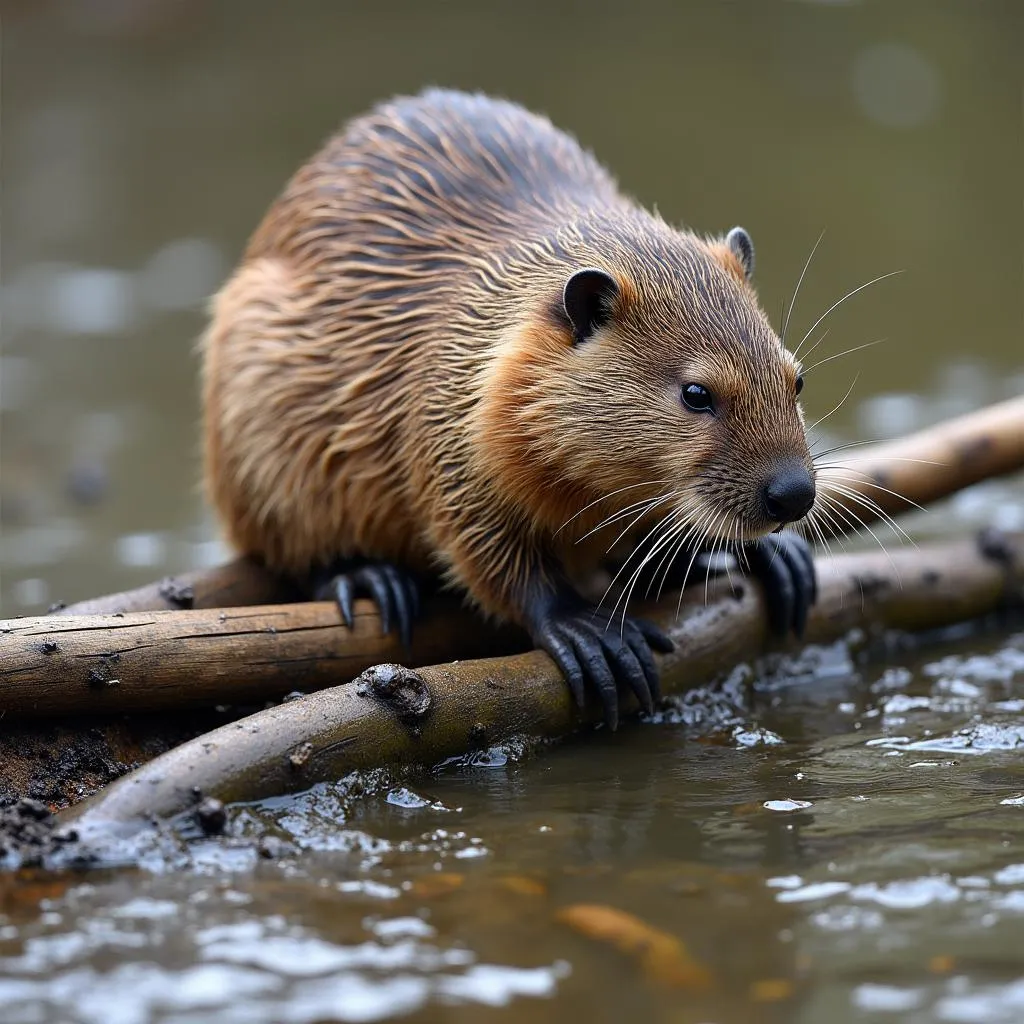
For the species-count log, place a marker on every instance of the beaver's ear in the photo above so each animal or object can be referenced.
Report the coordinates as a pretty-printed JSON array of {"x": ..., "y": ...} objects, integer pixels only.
[
  {"x": 587, "y": 299},
  {"x": 741, "y": 246}
]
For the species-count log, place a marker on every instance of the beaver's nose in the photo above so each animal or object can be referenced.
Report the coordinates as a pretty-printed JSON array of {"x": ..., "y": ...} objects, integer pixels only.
[{"x": 789, "y": 494}]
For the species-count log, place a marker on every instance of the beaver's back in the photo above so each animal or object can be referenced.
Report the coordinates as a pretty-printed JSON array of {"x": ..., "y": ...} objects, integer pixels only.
[
  {"x": 341, "y": 361},
  {"x": 441, "y": 172}
]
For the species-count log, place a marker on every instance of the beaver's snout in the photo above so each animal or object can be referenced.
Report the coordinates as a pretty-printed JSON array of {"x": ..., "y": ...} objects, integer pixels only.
[{"x": 788, "y": 494}]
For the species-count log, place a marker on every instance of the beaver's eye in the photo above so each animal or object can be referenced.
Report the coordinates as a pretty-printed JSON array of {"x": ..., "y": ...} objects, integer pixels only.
[
  {"x": 697, "y": 398},
  {"x": 799, "y": 384}
]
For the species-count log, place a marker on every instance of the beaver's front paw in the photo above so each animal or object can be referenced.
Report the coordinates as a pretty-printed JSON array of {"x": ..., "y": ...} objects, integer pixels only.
[
  {"x": 784, "y": 564},
  {"x": 591, "y": 649},
  {"x": 393, "y": 590}
]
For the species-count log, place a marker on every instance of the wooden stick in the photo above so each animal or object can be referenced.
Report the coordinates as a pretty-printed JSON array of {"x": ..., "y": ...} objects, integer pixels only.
[
  {"x": 921, "y": 468},
  {"x": 149, "y": 661},
  {"x": 931, "y": 464},
  {"x": 398, "y": 717}
]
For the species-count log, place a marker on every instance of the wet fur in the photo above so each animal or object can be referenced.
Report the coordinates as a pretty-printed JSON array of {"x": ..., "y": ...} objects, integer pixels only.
[{"x": 390, "y": 372}]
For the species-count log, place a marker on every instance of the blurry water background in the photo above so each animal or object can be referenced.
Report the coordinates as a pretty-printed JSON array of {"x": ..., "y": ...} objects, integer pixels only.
[{"x": 142, "y": 142}]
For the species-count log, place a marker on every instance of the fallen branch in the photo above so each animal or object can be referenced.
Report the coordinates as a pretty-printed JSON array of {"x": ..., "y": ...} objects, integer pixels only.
[
  {"x": 397, "y": 717},
  {"x": 897, "y": 475},
  {"x": 152, "y": 661},
  {"x": 933, "y": 463},
  {"x": 148, "y": 661}
]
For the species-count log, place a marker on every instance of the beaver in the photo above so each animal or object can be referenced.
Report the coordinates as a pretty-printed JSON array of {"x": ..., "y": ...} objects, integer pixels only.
[{"x": 454, "y": 349}]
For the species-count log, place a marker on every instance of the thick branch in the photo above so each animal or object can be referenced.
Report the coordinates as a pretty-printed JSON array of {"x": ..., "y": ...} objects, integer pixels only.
[
  {"x": 150, "y": 661},
  {"x": 325, "y": 735},
  {"x": 931, "y": 464}
]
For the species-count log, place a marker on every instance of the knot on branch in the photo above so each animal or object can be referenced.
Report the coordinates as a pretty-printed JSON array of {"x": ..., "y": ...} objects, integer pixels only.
[
  {"x": 177, "y": 595},
  {"x": 402, "y": 689},
  {"x": 996, "y": 545}
]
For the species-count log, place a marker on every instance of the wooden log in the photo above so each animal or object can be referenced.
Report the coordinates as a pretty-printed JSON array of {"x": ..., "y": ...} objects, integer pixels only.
[
  {"x": 139, "y": 661},
  {"x": 235, "y": 584},
  {"x": 933, "y": 463},
  {"x": 397, "y": 717},
  {"x": 897, "y": 475},
  {"x": 149, "y": 661}
]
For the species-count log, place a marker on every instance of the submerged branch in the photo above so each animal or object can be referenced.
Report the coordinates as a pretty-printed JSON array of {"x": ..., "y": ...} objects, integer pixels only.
[{"x": 394, "y": 717}]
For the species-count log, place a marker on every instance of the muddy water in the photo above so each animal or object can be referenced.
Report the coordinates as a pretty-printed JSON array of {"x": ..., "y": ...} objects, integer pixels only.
[{"x": 846, "y": 847}]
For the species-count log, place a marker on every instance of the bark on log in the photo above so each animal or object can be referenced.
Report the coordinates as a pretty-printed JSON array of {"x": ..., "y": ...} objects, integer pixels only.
[
  {"x": 326, "y": 735},
  {"x": 920, "y": 468},
  {"x": 150, "y": 661}
]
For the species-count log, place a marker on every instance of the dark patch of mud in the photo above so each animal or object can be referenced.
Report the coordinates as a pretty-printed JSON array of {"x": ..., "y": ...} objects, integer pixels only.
[
  {"x": 61, "y": 762},
  {"x": 29, "y": 834}
]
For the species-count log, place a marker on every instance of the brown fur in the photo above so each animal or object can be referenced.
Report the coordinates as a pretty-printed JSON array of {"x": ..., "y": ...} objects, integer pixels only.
[{"x": 389, "y": 373}]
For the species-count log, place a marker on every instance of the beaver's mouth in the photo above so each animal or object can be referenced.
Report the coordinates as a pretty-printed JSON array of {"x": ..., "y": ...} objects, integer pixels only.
[{"x": 744, "y": 528}]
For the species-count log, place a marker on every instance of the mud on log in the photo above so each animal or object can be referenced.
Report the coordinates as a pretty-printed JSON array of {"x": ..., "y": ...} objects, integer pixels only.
[{"x": 396, "y": 717}]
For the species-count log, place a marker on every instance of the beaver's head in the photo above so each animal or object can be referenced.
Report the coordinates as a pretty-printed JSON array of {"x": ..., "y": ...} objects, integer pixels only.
[{"x": 655, "y": 384}]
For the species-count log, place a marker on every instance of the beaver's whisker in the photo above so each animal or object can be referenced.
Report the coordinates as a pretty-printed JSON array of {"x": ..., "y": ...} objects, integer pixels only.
[
  {"x": 626, "y": 591},
  {"x": 865, "y": 502},
  {"x": 663, "y": 523},
  {"x": 839, "y": 509},
  {"x": 869, "y": 458},
  {"x": 811, "y": 531},
  {"x": 839, "y": 355},
  {"x": 605, "y": 497},
  {"x": 698, "y": 549},
  {"x": 834, "y": 448},
  {"x": 839, "y": 302},
  {"x": 843, "y": 513},
  {"x": 868, "y": 482},
  {"x": 742, "y": 557},
  {"x": 837, "y": 406},
  {"x": 834, "y": 526},
  {"x": 716, "y": 549},
  {"x": 671, "y": 529},
  {"x": 796, "y": 290},
  {"x": 730, "y": 545},
  {"x": 836, "y": 536},
  {"x": 684, "y": 530},
  {"x": 672, "y": 552},
  {"x": 646, "y": 507},
  {"x": 824, "y": 334},
  {"x": 697, "y": 518}
]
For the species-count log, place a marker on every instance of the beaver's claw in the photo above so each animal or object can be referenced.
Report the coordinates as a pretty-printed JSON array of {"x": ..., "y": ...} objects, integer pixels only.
[
  {"x": 785, "y": 566},
  {"x": 589, "y": 648},
  {"x": 393, "y": 590}
]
